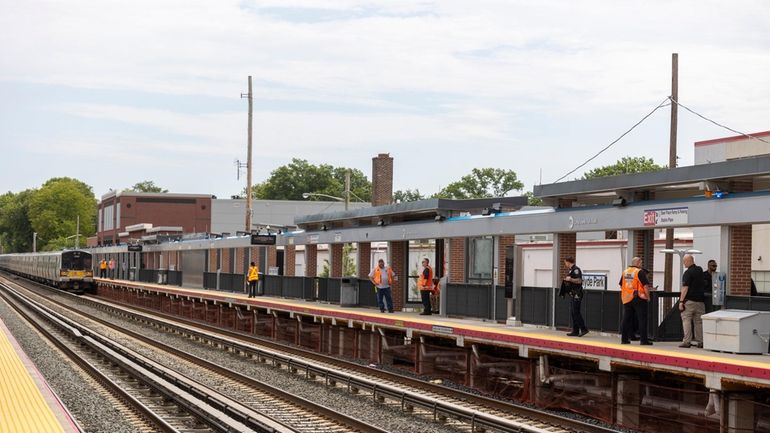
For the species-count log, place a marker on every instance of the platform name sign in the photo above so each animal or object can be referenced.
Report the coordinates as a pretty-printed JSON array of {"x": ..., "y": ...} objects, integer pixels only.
[
  {"x": 134, "y": 248},
  {"x": 262, "y": 239},
  {"x": 676, "y": 216},
  {"x": 595, "y": 281}
]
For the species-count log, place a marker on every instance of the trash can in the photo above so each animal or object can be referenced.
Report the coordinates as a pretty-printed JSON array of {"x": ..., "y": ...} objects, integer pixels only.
[
  {"x": 162, "y": 276},
  {"x": 349, "y": 292}
]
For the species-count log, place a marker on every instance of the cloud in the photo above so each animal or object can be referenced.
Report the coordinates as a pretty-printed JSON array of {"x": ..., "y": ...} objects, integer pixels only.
[{"x": 499, "y": 83}]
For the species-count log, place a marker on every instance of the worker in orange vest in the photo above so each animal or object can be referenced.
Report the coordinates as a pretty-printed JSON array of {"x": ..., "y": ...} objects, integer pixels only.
[
  {"x": 383, "y": 285},
  {"x": 425, "y": 285},
  {"x": 253, "y": 279},
  {"x": 103, "y": 268},
  {"x": 635, "y": 294}
]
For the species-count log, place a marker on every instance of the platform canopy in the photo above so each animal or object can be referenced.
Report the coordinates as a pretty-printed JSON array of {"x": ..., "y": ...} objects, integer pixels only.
[{"x": 664, "y": 184}]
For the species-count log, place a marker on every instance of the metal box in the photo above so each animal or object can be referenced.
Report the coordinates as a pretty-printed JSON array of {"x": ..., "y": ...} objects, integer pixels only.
[
  {"x": 736, "y": 331},
  {"x": 348, "y": 292}
]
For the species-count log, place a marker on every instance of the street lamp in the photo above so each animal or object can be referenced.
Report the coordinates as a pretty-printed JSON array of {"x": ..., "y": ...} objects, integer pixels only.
[
  {"x": 681, "y": 252},
  {"x": 311, "y": 194}
]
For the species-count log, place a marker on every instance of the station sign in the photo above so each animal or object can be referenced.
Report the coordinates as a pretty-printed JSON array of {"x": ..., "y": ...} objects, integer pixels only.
[
  {"x": 262, "y": 239},
  {"x": 595, "y": 281},
  {"x": 135, "y": 248},
  {"x": 676, "y": 216}
]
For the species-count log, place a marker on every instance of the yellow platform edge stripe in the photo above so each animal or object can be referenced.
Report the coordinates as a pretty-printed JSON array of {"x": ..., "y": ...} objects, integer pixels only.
[{"x": 23, "y": 408}]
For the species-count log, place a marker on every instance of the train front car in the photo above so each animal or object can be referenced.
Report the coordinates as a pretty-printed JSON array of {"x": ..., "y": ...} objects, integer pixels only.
[{"x": 75, "y": 271}]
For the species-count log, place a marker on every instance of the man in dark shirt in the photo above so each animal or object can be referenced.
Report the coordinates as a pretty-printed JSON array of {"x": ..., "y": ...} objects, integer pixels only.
[
  {"x": 691, "y": 302},
  {"x": 574, "y": 282}
]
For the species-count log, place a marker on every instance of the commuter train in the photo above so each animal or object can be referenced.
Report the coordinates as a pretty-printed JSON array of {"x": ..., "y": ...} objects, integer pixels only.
[{"x": 69, "y": 270}]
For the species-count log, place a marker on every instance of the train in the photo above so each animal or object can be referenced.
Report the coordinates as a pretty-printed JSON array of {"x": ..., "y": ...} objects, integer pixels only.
[{"x": 69, "y": 270}]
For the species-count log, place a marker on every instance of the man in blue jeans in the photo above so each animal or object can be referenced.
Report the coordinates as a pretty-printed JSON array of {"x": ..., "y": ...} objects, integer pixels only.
[{"x": 382, "y": 278}]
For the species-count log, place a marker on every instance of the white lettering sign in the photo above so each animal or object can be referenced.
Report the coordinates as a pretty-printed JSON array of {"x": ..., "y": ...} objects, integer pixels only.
[{"x": 595, "y": 281}]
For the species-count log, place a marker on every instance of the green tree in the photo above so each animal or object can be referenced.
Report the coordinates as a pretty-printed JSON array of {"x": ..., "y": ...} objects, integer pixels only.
[
  {"x": 532, "y": 200},
  {"x": 147, "y": 186},
  {"x": 403, "y": 196},
  {"x": 15, "y": 228},
  {"x": 349, "y": 268},
  {"x": 626, "y": 165},
  {"x": 290, "y": 181},
  {"x": 55, "y": 208},
  {"x": 482, "y": 183}
]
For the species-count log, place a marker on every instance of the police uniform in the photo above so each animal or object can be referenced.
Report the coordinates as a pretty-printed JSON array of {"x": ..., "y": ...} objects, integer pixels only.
[{"x": 575, "y": 293}]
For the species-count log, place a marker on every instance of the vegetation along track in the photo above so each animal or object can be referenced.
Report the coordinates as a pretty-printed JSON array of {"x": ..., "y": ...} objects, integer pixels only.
[
  {"x": 439, "y": 402},
  {"x": 268, "y": 410}
]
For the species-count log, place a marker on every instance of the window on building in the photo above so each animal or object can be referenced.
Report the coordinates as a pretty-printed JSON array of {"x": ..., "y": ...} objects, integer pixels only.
[{"x": 480, "y": 256}]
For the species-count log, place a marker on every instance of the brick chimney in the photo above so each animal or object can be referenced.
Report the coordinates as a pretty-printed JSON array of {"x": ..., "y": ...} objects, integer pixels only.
[{"x": 382, "y": 180}]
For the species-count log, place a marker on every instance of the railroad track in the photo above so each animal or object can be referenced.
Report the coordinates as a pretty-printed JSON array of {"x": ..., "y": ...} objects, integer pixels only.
[
  {"x": 441, "y": 403},
  {"x": 267, "y": 410}
]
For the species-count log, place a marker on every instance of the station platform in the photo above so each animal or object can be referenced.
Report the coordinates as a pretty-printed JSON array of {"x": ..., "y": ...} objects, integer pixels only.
[
  {"x": 716, "y": 369},
  {"x": 27, "y": 403}
]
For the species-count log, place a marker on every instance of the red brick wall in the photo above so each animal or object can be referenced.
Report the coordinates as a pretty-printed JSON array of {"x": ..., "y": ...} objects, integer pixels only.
[
  {"x": 335, "y": 267},
  {"x": 398, "y": 263},
  {"x": 226, "y": 260},
  {"x": 640, "y": 238},
  {"x": 311, "y": 260},
  {"x": 457, "y": 260},
  {"x": 504, "y": 242},
  {"x": 567, "y": 248},
  {"x": 364, "y": 259},
  {"x": 212, "y": 260},
  {"x": 272, "y": 257},
  {"x": 739, "y": 274},
  {"x": 289, "y": 260},
  {"x": 382, "y": 180}
]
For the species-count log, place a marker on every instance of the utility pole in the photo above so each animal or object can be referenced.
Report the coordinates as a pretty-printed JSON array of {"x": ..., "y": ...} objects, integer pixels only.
[
  {"x": 347, "y": 189},
  {"x": 248, "y": 161},
  {"x": 669, "y": 262},
  {"x": 77, "y": 234},
  {"x": 34, "y": 242}
]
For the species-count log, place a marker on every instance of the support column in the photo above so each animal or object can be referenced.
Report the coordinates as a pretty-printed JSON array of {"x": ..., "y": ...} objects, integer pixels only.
[
  {"x": 398, "y": 261},
  {"x": 457, "y": 260},
  {"x": 335, "y": 260},
  {"x": 364, "y": 259},
  {"x": 564, "y": 245},
  {"x": 740, "y": 413},
  {"x": 739, "y": 272},
  {"x": 272, "y": 257},
  {"x": 311, "y": 260},
  {"x": 628, "y": 399},
  {"x": 289, "y": 260}
]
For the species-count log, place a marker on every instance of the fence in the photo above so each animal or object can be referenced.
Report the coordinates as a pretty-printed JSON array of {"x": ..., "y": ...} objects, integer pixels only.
[{"x": 483, "y": 301}]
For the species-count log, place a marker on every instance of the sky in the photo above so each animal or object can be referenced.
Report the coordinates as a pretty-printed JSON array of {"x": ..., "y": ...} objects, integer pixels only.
[{"x": 116, "y": 92}]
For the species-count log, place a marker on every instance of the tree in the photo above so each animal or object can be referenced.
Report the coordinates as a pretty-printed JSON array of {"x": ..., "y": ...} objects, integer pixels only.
[
  {"x": 626, "y": 165},
  {"x": 15, "y": 228},
  {"x": 54, "y": 210},
  {"x": 349, "y": 268},
  {"x": 403, "y": 196},
  {"x": 532, "y": 200},
  {"x": 290, "y": 181},
  {"x": 482, "y": 183},
  {"x": 147, "y": 186}
]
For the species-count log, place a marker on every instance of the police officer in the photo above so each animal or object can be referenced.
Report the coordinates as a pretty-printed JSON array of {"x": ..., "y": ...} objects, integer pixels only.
[
  {"x": 574, "y": 286},
  {"x": 634, "y": 293}
]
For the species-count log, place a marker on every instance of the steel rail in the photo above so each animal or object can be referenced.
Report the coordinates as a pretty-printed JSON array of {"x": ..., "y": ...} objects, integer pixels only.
[
  {"x": 215, "y": 410},
  {"x": 407, "y": 398}
]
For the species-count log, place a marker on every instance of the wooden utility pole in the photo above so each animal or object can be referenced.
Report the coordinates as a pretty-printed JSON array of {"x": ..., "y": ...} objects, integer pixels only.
[
  {"x": 347, "y": 189},
  {"x": 669, "y": 263},
  {"x": 248, "y": 161}
]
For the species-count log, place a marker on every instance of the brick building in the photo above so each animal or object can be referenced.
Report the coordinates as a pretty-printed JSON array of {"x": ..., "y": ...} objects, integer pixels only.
[{"x": 119, "y": 210}]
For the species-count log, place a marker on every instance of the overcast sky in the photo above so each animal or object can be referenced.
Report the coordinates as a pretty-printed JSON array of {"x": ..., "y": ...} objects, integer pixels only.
[{"x": 116, "y": 92}]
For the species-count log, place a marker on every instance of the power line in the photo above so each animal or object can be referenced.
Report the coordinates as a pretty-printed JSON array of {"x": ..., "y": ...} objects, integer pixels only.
[
  {"x": 664, "y": 103},
  {"x": 717, "y": 123}
]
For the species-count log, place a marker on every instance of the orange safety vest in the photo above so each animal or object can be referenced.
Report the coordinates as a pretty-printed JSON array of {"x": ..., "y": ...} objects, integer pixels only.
[
  {"x": 253, "y": 273},
  {"x": 377, "y": 277},
  {"x": 632, "y": 286},
  {"x": 422, "y": 283}
]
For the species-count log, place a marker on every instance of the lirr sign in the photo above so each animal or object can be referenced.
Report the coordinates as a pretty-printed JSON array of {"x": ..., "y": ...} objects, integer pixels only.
[{"x": 595, "y": 281}]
